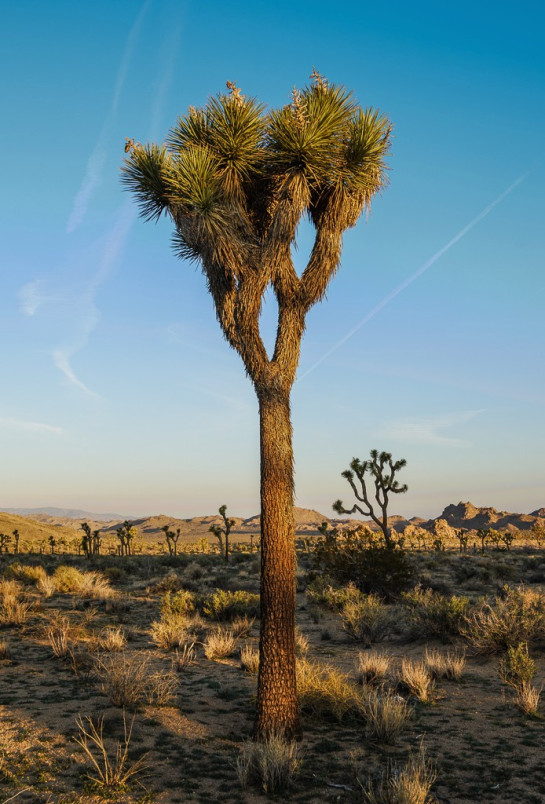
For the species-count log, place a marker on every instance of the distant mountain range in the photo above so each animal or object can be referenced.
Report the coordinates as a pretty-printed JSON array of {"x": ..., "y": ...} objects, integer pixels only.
[
  {"x": 41, "y": 522},
  {"x": 65, "y": 513}
]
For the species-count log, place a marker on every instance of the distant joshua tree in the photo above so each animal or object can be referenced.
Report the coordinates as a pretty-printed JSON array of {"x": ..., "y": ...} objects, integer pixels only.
[
  {"x": 222, "y": 533},
  {"x": 90, "y": 541},
  {"x": 5, "y": 540},
  {"x": 126, "y": 535},
  {"x": 381, "y": 470},
  {"x": 172, "y": 539},
  {"x": 236, "y": 180}
]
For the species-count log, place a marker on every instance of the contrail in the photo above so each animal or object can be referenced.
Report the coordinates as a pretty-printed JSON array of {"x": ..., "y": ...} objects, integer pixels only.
[
  {"x": 97, "y": 159},
  {"x": 387, "y": 299}
]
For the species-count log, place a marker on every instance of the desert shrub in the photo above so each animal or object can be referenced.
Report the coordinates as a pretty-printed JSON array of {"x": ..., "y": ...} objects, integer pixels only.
[
  {"x": 46, "y": 586},
  {"x": 241, "y": 626},
  {"x": 432, "y": 615},
  {"x": 26, "y": 573},
  {"x": 126, "y": 679},
  {"x": 372, "y": 667},
  {"x": 14, "y": 609},
  {"x": 386, "y": 716},
  {"x": 374, "y": 569},
  {"x": 270, "y": 764},
  {"x": 87, "y": 584},
  {"x": 366, "y": 620},
  {"x": 179, "y": 602},
  {"x": 444, "y": 665},
  {"x": 321, "y": 591},
  {"x": 410, "y": 784},
  {"x": 111, "y": 771},
  {"x": 220, "y": 644},
  {"x": 517, "y": 615},
  {"x": 517, "y": 666},
  {"x": 325, "y": 691},
  {"x": 417, "y": 679},
  {"x": 226, "y": 605},
  {"x": 249, "y": 659},
  {"x": 170, "y": 631},
  {"x": 111, "y": 639}
]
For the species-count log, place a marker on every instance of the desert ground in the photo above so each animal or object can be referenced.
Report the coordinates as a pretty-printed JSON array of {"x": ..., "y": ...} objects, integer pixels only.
[{"x": 163, "y": 649}]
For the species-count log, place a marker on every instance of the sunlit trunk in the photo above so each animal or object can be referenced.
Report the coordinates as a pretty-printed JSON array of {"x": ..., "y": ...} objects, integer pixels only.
[{"x": 277, "y": 710}]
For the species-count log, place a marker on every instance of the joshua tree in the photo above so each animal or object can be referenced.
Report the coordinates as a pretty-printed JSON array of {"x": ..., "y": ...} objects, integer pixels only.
[
  {"x": 222, "y": 533},
  {"x": 172, "y": 539},
  {"x": 381, "y": 470},
  {"x": 126, "y": 534},
  {"x": 86, "y": 540},
  {"x": 16, "y": 537},
  {"x": 236, "y": 180},
  {"x": 5, "y": 540}
]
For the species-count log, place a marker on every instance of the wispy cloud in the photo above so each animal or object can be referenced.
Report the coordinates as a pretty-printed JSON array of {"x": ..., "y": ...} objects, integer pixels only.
[
  {"x": 32, "y": 296},
  {"x": 413, "y": 277},
  {"x": 20, "y": 425},
  {"x": 97, "y": 160},
  {"x": 428, "y": 430}
]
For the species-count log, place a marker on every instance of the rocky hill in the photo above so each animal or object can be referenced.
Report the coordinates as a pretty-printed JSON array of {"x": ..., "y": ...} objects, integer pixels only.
[{"x": 466, "y": 515}]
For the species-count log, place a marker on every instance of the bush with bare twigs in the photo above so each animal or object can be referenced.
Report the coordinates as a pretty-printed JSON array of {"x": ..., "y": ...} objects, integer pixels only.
[
  {"x": 110, "y": 770},
  {"x": 366, "y": 619},
  {"x": 128, "y": 681},
  {"x": 517, "y": 615}
]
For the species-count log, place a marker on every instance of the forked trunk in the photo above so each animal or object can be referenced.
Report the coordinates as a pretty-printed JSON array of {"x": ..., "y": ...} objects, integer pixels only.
[{"x": 277, "y": 711}]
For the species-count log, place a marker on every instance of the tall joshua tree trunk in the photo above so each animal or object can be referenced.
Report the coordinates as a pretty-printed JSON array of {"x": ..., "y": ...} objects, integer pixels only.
[{"x": 276, "y": 698}]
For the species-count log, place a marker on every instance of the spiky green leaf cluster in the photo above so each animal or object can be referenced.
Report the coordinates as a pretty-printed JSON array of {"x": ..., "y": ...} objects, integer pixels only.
[{"x": 225, "y": 166}]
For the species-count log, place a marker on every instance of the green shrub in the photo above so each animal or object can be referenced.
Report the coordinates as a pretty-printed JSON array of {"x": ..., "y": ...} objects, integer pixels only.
[
  {"x": 374, "y": 569},
  {"x": 517, "y": 667},
  {"x": 67, "y": 579},
  {"x": 225, "y": 605},
  {"x": 430, "y": 614},
  {"x": 366, "y": 620},
  {"x": 180, "y": 602}
]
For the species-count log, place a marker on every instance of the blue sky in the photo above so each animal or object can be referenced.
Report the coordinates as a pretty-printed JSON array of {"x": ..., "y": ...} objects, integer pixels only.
[{"x": 118, "y": 392}]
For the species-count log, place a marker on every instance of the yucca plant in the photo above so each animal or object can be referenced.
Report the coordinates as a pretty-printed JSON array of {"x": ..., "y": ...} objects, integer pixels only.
[{"x": 236, "y": 179}]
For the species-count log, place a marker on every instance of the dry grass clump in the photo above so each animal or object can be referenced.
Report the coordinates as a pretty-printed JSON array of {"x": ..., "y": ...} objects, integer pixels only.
[
  {"x": 13, "y": 608},
  {"x": 58, "y": 636},
  {"x": 445, "y": 665},
  {"x": 416, "y": 677},
  {"x": 241, "y": 626},
  {"x": 386, "y": 716},
  {"x": 126, "y": 679},
  {"x": 111, "y": 639},
  {"x": 517, "y": 615},
  {"x": 86, "y": 584},
  {"x": 46, "y": 586},
  {"x": 26, "y": 573},
  {"x": 111, "y": 771},
  {"x": 171, "y": 631},
  {"x": 270, "y": 764},
  {"x": 365, "y": 619},
  {"x": 527, "y": 699},
  {"x": 302, "y": 643},
  {"x": 5, "y": 652},
  {"x": 249, "y": 659},
  {"x": 220, "y": 644},
  {"x": 185, "y": 656},
  {"x": 372, "y": 667},
  {"x": 410, "y": 784},
  {"x": 326, "y": 691}
]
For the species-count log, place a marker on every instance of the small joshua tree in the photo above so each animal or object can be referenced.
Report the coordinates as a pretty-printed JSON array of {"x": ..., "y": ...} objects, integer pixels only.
[
  {"x": 172, "y": 539},
  {"x": 381, "y": 469},
  {"x": 222, "y": 533},
  {"x": 5, "y": 540},
  {"x": 16, "y": 538},
  {"x": 86, "y": 540}
]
